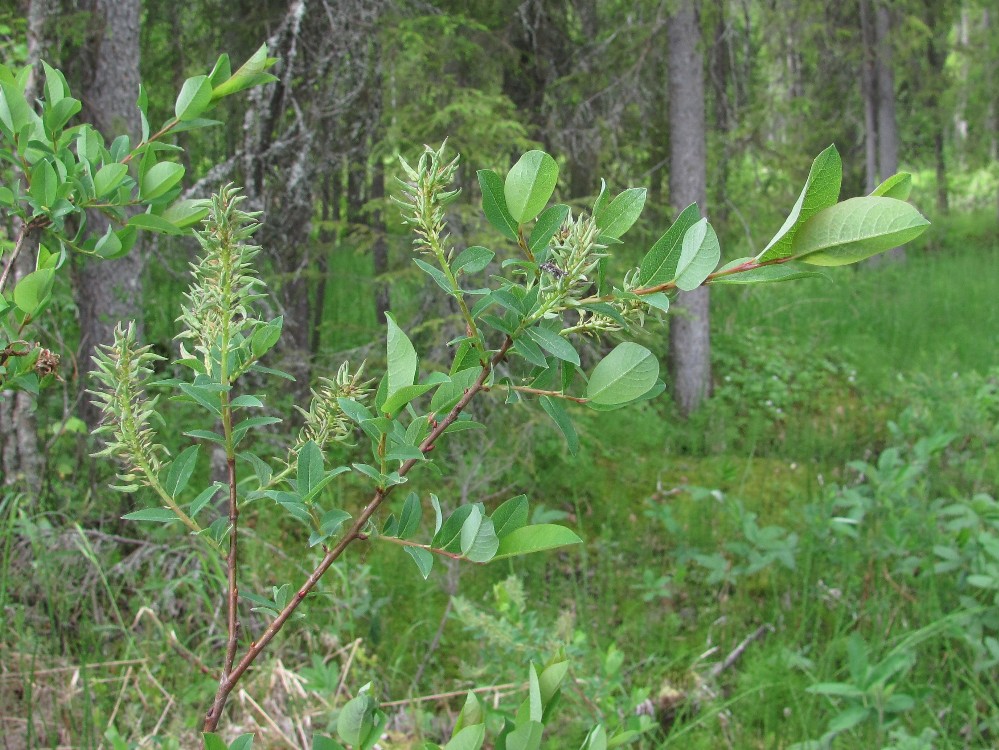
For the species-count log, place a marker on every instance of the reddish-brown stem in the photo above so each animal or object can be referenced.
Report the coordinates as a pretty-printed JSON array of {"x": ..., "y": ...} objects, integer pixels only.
[
  {"x": 356, "y": 531},
  {"x": 232, "y": 563},
  {"x": 749, "y": 265},
  {"x": 407, "y": 543}
]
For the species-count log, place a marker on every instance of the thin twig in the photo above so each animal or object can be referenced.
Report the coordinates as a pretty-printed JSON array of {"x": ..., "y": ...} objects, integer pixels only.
[
  {"x": 243, "y": 695},
  {"x": 18, "y": 244},
  {"x": 58, "y": 670},
  {"x": 512, "y": 687},
  {"x": 435, "y": 641},
  {"x": 737, "y": 652},
  {"x": 346, "y": 667}
]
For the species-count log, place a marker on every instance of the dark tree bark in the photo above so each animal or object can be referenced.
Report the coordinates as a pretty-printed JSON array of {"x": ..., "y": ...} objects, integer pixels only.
[
  {"x": 316, "y": 117},
  {"x": 690, "y": 332},
  {"x": 107, "y": 293}
]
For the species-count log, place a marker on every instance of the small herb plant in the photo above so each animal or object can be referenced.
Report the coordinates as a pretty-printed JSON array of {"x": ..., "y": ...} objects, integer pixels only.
[{"x": 553, "y": 284}]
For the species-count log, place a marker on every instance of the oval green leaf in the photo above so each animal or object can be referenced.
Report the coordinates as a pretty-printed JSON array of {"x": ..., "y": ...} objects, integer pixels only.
[
  {"x": 402, "y": 359},
  {"x": 547, "y": 224},
  {"x": 560, "y": 417},
  {"x": 857, "y": 229},
  {"x": 194, "y": 98},
  {"x": 821, "y": 190},
  {"x": 659, "y": 265},
  {"x": 157, "y": 515},
  {"x": 529, "y": 185},
  {"x": 555, "y": 344},
  {"x": 627, "y": 373},
  {"x": 356, "y": 719},
  {"x": 32, "y": 292},
  {"x": 622, "y": 213},
  {"x": 536, "y": 538},
  {"x": 494, "y": 204},
  {"x": 181, "y": 468},
  {"x": 897, "y": 186},
  {"x": 158, "y": 179},
  {"x": 699, "y": 255},
  {"x": 109, "y": 177}
]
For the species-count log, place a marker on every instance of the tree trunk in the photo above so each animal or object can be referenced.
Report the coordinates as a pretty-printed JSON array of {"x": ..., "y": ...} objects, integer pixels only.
[
  {"x": 107, "y": 293},
  {"x": 887, "y": 124},
  {"x": 690, "y": 332},
  {"x": 869, "y": 90}
]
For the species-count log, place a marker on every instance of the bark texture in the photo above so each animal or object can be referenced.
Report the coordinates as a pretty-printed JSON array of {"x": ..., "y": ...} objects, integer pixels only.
[
  {"x": 690, "y": 332},
  {"x": 109, "y": 292}
]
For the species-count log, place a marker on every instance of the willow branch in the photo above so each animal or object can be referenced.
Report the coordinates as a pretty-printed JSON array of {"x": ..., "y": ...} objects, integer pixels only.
[{"x": 356, "y": 530}]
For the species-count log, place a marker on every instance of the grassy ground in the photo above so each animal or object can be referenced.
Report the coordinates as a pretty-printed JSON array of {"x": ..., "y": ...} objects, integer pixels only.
[{"x": 833, "y": 493}]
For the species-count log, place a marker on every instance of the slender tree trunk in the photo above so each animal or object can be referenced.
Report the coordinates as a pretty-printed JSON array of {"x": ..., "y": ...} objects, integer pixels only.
[
  {"x": 887, "y": 123},
  {"x": 936, "y": 60},
  {"x": 869, "y": 90},
  {"x": 107, "y": 293},
  {"x": 690, "y": 332}
]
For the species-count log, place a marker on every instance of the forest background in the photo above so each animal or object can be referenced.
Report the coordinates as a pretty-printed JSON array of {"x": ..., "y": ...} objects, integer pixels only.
[{"x": 819, "y": 479}]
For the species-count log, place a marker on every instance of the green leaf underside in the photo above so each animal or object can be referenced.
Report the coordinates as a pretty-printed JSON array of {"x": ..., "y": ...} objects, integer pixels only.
[
  {"x": 535, "y": 538},
  {"x": 659, "y": 265},
  {"x": 423, "y": 558},
  {"x": 529, "y": 185},
  {"x": 821, "y": 191},
  {"x": 699, "y": 256},
  {"x": 857, "y": 229},
  {"x": 195, "y": 96},
  {"x": 624, "y": 375},
  {"x": 494, "y": 204},
  {"x": 478, "y": 537}
]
